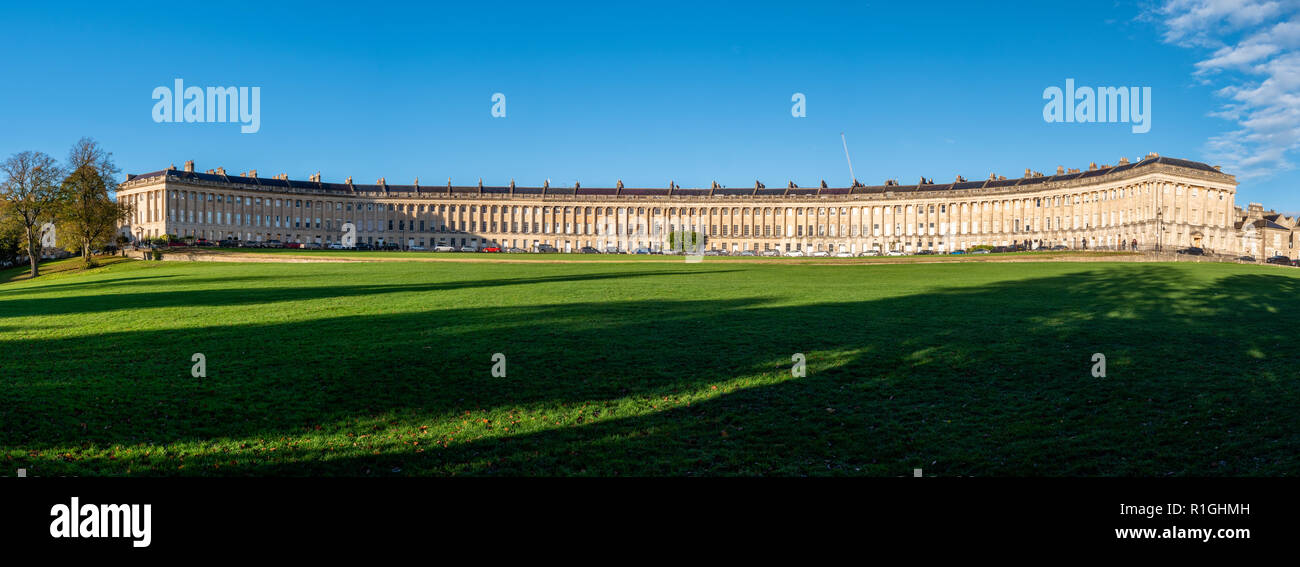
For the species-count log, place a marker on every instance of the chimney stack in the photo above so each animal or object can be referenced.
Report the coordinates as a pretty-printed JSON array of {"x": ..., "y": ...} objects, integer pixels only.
[
  {"x": 1060, "y": 170},
  {"x": 619, "y": 185},
  {"x": 189, "y": 166},
  {"x": 252, "y": 173},
  {"x": 349, "y": 180},
  {"x": 221, "y": 171},
  {"x": 1123, "y": 161}
]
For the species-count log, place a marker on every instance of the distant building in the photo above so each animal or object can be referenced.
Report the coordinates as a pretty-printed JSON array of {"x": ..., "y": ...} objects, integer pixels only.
[
  {"x": 1266, "y": 233},
  {"x": 1155, "y": 202}
]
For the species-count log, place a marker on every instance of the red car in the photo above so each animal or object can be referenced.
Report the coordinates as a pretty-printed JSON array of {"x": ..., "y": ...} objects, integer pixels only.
[
  {"x": 492, "y": 249},
  {"x": 293, "y": 245}
]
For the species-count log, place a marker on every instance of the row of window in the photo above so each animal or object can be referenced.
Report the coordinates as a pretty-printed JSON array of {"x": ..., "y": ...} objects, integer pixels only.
[{"x": 188, "y": 203}]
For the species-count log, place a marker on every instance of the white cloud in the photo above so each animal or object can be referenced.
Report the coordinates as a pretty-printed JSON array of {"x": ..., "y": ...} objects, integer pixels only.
[{"x": 1254, "y": 52}]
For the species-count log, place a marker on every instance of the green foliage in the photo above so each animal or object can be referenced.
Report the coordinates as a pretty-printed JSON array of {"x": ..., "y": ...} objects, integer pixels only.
[{"x": 683, "y": 240}]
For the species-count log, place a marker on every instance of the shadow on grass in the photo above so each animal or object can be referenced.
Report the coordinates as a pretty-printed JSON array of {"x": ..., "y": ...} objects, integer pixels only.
[
  {"x": 228, "y": 296},
  {"x": 987, "y": 380}
]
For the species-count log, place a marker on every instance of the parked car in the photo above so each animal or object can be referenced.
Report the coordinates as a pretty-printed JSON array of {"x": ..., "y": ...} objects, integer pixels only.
[
  {"x": 980, "y": 251},
  {"x": 469, "y": 248},
  {"x": 1296, "y": 262},
  {"x": 492, "y": 249},
  {"x": 1060, "y": 247},
  {"x": 588, "y": 250},
  {"x": 311, "y": 246},
  {"x": 364, "y": 246},
  {"x": 844, "y": 254},
  {"x": 1192, "y": 251},
  {"x": 417, "y": 249},
  {"x": 958, "y": 252},
  {"x": 872, "y": 252},
  {"x": 926, "y": 252},
  {"x": 444, "y": 248},
  {"x": 641, "y": 251},
  {"x": 771, "y": 252},
  {"x": 748, "y": 253},
  {"x": 1282, "y": 260},
  {"x": 513, "y": 250},
  {"x": 895, "y": 253},
  {"x": 546, "y": 249},
  {"x": 1245, "y": 258},
  {"x": 613, "y": 250},
  {"x": 794, "y": 254}
]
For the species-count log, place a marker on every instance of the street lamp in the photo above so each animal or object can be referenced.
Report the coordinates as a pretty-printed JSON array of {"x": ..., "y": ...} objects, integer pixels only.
[{"x": 1160, "y": 229}]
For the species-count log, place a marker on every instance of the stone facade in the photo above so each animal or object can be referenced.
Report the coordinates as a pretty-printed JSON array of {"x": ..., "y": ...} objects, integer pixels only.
[
  {"x": 1266, "y": 234},
  {"x": 1158, "y": 202}
]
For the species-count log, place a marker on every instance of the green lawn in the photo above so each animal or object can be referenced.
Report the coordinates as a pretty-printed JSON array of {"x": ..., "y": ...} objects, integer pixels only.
[{"x": 651, "y": 369}]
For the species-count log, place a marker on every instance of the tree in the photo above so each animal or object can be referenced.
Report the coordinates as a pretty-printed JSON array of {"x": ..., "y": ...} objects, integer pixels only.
[
  {"x": 88, "y": 153},
  {"x": 88, "y": 216},
  {"x": 31, "y": 191},
  {"x": 684, "y": 241},
  {"x": 11, "y": 235}
]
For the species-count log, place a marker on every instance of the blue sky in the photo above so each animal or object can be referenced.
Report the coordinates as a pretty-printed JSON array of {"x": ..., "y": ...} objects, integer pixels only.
[{"x": 691, "y": 92}]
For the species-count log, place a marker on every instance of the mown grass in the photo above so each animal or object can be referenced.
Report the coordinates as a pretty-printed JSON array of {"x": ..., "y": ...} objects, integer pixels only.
[{"x": 652, "y": 369}]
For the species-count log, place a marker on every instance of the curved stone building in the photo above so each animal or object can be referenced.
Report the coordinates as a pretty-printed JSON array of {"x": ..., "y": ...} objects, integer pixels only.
[{"x": 1155, "y": 202}]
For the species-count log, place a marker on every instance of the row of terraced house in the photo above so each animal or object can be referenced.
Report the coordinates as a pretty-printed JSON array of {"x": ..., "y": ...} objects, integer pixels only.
[{"x": 1156, "y": 202}]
